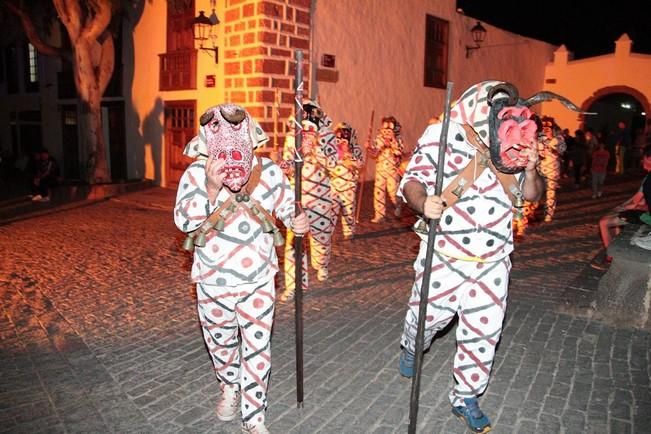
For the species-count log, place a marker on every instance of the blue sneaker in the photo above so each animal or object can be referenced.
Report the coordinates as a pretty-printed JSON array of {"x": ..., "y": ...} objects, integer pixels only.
[
  {"x": 472, "y": 415},
  {"x": 407, "y": 362}
]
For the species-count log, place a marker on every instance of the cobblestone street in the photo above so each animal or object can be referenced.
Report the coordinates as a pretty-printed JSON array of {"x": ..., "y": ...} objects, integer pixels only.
[{"x": 99, "y": 332}]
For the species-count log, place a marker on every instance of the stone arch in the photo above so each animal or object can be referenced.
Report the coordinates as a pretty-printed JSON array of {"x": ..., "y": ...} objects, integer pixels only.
[{"x": 608, "y": 90}]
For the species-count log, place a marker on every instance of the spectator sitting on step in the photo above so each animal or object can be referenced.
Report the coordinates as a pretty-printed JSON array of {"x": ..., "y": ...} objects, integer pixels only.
[
  {"x": 46, "y": 176},
  {"x": 632, "y": 211}
]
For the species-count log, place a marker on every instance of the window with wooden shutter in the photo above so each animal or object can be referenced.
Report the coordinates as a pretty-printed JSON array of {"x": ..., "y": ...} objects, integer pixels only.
[{"x": 436, "y": 52}]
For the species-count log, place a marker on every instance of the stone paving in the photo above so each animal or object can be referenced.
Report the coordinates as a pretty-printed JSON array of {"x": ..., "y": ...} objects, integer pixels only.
[{"x": 99, "y": 333}]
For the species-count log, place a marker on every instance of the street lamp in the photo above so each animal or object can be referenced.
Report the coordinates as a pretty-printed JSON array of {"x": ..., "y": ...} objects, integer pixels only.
[
  {"x": 478, "y": 35},
  {"x": 203, "y": 28}
]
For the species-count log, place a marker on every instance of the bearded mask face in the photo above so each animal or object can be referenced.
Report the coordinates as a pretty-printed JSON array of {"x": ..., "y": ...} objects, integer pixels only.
[{"x": 228, "y": 137}]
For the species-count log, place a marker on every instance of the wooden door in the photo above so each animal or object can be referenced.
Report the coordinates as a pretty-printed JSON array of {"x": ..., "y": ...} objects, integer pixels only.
[{"x": 179, "y": 130}]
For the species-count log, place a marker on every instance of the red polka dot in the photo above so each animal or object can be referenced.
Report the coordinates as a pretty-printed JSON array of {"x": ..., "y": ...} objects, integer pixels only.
[
  {"x": 462, "y": 356},
  {"x": 215, "y": 248},
  {"x": 224, "y": 353},
  {"x": 480, "y": 265},
  {"x": 474, "y": 377},
  {"x": 258, "y": 303},
  {"x": 418, "y": 159},
  {"x": 472, "y": 293},
  {"x": 425, "y": 172},
  {"x": 484, "y": 109},
  {"x": 247, "y": 262},
  {"x": 194, "y": 204},
  {"x": 458, "y": 160},
  {"x": 453, "y": 298},
  {"x": 217, "y": 313},
  {"x": 260, "y": 366},
  {"x": 483, "y": 320},
  {"x": 453, "y": 114},
  {"x": 441, "y": 243},
  {"x": 429, "y": 318}
]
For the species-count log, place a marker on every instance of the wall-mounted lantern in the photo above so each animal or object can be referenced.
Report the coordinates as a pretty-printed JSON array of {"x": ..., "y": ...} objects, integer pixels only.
[
  {"x": 478, "y": 35},
  {"x": 205, "y": 34}
]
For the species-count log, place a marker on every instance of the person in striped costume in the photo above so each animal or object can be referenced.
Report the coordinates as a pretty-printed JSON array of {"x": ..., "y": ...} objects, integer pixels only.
[
  {"x": 470, "y": 268},
  {"x": 225, "y": 201},
  {"x": 388, "y": 149},
  {"x": 350, "y": 159},
  {"x": 320, "y": 157}
]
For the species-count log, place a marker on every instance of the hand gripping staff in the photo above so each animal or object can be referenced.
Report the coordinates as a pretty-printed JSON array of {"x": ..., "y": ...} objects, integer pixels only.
[
  {"x": 298, "y": 238},
  {"x": 362, "y": 172},
  {"x": 424, "y": 287}
]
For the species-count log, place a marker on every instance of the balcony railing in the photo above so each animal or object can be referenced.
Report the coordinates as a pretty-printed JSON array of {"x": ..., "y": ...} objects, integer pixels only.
[{"x": 178, "y": 70}]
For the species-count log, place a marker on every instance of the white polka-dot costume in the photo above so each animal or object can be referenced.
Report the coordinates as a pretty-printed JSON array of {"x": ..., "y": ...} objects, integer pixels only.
[
  {"x": 470, "y": 268},
  {"x": 234, "y": 273}
]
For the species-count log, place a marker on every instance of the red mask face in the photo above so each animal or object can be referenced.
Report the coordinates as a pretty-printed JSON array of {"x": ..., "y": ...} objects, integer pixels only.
[{"x": 228, "y": 138}]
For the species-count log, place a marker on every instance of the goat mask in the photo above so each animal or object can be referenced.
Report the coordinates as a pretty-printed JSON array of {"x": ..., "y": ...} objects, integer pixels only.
[{"x": 502, "y": 119}]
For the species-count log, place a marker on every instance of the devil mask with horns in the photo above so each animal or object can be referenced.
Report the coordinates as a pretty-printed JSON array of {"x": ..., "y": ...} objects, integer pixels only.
[
  {"x": 502, "y": 120},
  {"x": 228, "y": 132}
]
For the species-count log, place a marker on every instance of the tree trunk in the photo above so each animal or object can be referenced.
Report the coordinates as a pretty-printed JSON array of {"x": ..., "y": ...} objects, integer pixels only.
[
  {"x": 90, "y": 93},
  {"x": 93, "y": 59}
]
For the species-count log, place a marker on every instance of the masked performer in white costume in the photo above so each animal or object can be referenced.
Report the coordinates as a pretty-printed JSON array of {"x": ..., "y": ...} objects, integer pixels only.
[{"x": 225, "y": 201}]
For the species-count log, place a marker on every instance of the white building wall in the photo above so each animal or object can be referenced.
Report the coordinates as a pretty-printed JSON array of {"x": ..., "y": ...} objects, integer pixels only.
[
  {"x": 145, "y": 125},
  {"x": 379, "y": 47},
  {"x": 579, "y": 80}
]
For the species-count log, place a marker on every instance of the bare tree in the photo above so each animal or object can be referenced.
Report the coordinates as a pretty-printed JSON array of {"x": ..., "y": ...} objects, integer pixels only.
[{"x": 87, "y": 23}]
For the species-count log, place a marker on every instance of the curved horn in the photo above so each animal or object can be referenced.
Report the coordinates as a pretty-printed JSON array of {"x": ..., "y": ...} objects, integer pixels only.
[
  {"x": 234, "y": 117},
  {"x": 508, "y": 88},
  {"x": 549, "y": 96}
]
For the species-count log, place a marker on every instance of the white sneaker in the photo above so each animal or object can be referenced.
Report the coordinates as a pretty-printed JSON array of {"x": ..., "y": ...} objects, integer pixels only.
[
  {"x": 228, "y": 406},
  {"x": 37, "y": 198},
  {"x": 254, "y": 429},
  {"x": 45, "y": 199},
  {"x": 643, "y": 242}
]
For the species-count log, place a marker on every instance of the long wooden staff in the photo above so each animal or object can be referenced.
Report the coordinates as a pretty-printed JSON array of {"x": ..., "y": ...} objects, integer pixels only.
[
  {"x": 362, "y": 172},
  {"x": 429, "y": 255},
  {"x": 298, "y": 238}
]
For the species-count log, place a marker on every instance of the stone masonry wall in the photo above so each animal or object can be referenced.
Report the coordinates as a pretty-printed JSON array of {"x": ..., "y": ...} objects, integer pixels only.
[{"x": 261, "y": 36}]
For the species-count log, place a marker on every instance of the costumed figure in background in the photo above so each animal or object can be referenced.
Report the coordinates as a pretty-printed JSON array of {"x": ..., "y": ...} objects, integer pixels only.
[
  {"x": 225, "y": 202},
  {"x": 320, "y": 157},
  {"x": 490, "y": 166},
  {"x": 551, "y": 146},
  {"x": 350, "y": 160},
  {"x": 388, "y": 149}
]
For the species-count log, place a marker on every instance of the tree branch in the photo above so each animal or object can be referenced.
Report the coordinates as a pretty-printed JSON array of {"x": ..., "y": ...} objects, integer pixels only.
[
  {"x": 70, "y": 14},
  {"x": 102, "y": 13},
  {"x": 106, "y": 62},
  {"x": 33, "y": 36}
]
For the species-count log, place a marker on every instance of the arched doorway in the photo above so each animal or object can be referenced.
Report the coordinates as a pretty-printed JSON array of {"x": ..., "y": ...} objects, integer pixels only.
[{"x": 614, "y": 104}]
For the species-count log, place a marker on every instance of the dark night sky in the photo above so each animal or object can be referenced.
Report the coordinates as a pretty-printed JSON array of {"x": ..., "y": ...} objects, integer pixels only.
[{"x": 586, "y": 27}]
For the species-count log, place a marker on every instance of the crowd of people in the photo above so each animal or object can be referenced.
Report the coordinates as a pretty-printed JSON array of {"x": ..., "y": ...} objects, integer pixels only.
[{"x": 503, "y": 163}]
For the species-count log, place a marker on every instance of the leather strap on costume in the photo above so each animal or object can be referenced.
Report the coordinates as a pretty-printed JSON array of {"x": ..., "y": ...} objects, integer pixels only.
[
  {"x": 469, "y": 174},
  {"x": 252, "y": 183}
]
